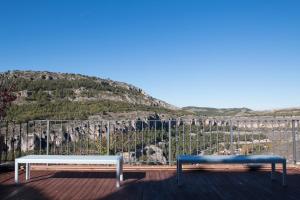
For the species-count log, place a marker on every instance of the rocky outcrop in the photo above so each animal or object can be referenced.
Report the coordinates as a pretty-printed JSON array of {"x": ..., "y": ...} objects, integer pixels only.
[
  {"x": 154, "y": 154},
  {"x": 116, "y": 91}
]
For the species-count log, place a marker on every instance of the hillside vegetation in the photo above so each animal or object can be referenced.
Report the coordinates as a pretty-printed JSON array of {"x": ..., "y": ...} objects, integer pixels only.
[
  {"x": 78, "y": 110},
  {"x": 49, "y": 95}
]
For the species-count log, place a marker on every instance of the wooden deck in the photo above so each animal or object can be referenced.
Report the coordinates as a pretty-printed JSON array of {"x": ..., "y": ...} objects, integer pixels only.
[{"x": 215, "y": 183}]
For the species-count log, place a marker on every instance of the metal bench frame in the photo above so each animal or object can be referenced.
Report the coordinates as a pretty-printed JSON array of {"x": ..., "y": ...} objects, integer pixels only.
[
  {"x": 70, "y": 159},
  {"x": 233, "y": 159}
]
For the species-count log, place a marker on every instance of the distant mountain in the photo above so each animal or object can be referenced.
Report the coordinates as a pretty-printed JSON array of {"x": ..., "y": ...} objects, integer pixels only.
[
  {"x": 44, "y": 95},
  {"x": 242, "y": 112},
  {"x": 285, "y": 112},
  {"x": 207, "y": 111}
]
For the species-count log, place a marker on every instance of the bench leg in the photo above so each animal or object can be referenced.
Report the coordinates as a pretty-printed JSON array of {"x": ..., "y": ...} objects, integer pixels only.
[
  {"x": 16, "y": 172},
  {"x": 273, "y": 172},
  {"x": 284, "y": 174},
  {"x": 179, "y": 171},
  {"x": 118, "y": 173},
  {"x": 27, "y": 171},
  {"x": 121, "y": 171}
]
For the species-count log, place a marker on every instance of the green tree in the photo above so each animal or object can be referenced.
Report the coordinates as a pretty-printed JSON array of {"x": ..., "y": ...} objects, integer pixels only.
[{"x": 6, "y": 93}]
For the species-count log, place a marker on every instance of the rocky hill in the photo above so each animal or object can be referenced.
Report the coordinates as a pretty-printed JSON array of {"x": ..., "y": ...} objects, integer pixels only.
[
  {"x": 45, "y": 95},
  {"x": 242, "y": 112},
  {"x": 52, "y": 95}
]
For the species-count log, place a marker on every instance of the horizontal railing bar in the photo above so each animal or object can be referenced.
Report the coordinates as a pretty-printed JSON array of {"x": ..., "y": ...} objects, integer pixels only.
[{"x": 152, "y": 141}]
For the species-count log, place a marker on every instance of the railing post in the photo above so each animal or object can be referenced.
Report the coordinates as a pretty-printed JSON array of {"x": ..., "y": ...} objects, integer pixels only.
[
  {"x": 135, "y": 132},
  {"x": 170, "y": 143},
  {"x": 40, "y": 130},
  {"x": 27, "y": 130},
  {"x": 6, "y": 140},
  {"x": 294, "y": 142},
  {"x": 62, "y": 136},
  {"x": 176, "y": 138},
  {"x": 210, "y": 136},
  {"x": 1, "y": 142},
  {"x": 107, "y": 138},
  {"x": 12, "y": 140},
  {"x": 48, "y": 130},
  {"x": 20, "y": 140},
  {"x": 190, "y": 137},
  {"x": 231, "y": 137}
]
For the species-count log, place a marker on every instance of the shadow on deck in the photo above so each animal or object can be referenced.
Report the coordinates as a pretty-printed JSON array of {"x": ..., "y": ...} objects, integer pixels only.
[{"x": 220, "y": 183}]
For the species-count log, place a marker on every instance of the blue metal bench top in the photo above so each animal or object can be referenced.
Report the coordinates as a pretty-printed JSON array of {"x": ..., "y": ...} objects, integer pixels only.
[{"x": 231, "y": 159}]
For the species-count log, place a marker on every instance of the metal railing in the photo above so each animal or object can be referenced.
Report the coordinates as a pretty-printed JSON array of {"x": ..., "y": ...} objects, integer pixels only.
[{"x": 152, "y": 141}]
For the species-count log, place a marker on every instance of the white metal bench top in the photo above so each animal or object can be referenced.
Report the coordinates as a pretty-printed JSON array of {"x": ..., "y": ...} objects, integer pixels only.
[
  {"x": 231, "y": 159},
  {"x": 69, "y": 159}
]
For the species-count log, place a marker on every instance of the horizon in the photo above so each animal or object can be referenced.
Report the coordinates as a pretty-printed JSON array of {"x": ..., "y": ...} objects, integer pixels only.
[
  {"x": 218, "y": 54},
  {"x": 107, "y": 78}
]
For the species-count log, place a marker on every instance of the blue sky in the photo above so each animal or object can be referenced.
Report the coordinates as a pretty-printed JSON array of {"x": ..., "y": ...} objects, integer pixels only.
[{"x": 204, "y": 53}]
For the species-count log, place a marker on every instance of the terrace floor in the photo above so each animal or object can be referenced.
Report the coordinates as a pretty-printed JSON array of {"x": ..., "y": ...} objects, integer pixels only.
[{"x": 215, "y": 182}]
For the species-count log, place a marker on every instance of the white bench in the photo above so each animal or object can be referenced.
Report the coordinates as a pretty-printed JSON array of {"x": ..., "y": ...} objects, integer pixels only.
[
  {"x": 232, "y": 159},
  {"x": 70, "y": 159}
]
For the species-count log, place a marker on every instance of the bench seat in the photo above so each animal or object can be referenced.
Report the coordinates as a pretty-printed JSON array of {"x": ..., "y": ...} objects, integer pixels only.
[
  {"x": 70, "y": 159},
  {"x": 233, "y": 159}
]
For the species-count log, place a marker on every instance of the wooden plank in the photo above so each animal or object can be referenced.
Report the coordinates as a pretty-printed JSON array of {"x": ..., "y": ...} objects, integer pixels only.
[{"x": 202, "y": 184}]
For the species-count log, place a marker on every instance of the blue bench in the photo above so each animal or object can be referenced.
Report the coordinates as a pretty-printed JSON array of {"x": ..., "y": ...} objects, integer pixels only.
[{"x": 233, "y": 159}]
